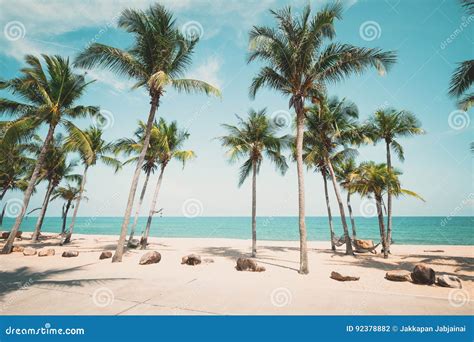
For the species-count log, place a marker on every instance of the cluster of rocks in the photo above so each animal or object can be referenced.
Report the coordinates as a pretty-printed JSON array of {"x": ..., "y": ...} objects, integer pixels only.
[
  {"x": 44, "y": 252},
  {"x": 246, "y": 264},
  {"x": 5, "y": 235},
  {"x": 424, "y": 275}
]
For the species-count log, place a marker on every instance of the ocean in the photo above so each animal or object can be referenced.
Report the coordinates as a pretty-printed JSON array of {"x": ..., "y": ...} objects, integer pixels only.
[{"x": 406, "y": 230}]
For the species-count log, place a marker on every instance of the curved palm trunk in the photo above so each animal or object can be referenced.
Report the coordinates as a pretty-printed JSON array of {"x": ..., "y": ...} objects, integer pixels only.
[
  {"x": 78, "y": 202},
  {"x": 326, "y": 194},
  {"x": 254, "y": 209},
  {"x": 140, "y": 202},
  {"x": 341, "y": 208},
  {"x": 136, "y": 176},
  {"x": 2, "y": 214},
  {"x": 389, "y": 202},
  {"x": 29, "y": 191},
  {"x": 304, "y": 269},
  {"x": 146, "y": 232},
  {"x": 39, "y": 222},
  {"x": 383, "y": 239},
  {"x": 65, "y": 211},
  {"x": 353, "y": 224}
]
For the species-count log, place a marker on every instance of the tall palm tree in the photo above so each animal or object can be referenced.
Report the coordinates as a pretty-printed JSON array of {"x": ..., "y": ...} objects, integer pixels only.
[
  {"x": 388, "y": 125},
  {"x": 68, "y": 194},
  {"x": 251, "y": 139},
  {"x": 169, "y": 139},
  {"x": 129, "y": 146},
  {"x": 374, "y": 180},
  {"x": 46, "y": 97},
  {"x": 55, "y": 168},
  {"x": 92, "y": 148},
  {"x": 346, "y": 171},
  {"x": 157, "y": 59},
  {"x": 332, "y": 125},
  {"x": 299, "y": 65}
]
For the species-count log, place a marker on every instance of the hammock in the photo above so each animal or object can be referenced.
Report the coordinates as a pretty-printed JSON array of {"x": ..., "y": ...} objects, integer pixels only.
[{"x": 338, "y": 242}]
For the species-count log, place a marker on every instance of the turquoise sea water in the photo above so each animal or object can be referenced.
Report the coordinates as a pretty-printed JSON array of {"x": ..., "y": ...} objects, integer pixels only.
[{"x": 406, "y": 230}]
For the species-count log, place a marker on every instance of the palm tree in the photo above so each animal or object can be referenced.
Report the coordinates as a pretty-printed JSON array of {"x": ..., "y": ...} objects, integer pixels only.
[
  {"x": 374, "y": 180},
  {"x": 251, "y": 139},
  {"x": 345, "y": 173},
  {"x": 92, "y": 148},
  {"x": 332, "y": 124},
  {"x": 49, "y": 98},
  {"x": 387, "y": 125},
  {"x": 69, "y": 194},
  {"x": 299, "y": 66},
  {"x": 169, "y": 140},
  {"x": 157, "y": 60},
  {"x": 129, "y": 147},
  {"x": 54, "y": 169}
]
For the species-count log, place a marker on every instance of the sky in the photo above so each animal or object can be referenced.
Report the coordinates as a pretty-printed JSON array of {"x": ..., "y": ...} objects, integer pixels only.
[{"x": 429, "y": 36}]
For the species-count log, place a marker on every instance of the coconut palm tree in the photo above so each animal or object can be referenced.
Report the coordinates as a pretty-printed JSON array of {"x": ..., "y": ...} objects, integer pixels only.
[
  {"x": 157, "y": 60},
  {"x": 68, "y": 194},
  {"x": 375, "y": 180},
  {"x": 55, "y": 168},
  {"x": 92, "y": 148},
  {"x": 298, "y": 64},
  {"x": 169, "y": 139},
  {"x": 252, "y": 139},
  {"x": 45, "y": 97},
  {"x": 129, "y": 146},
  {"x": 388, "y": 125},
  {"x": 345, "y": 173},
  {"x": 331, "y": 127}
]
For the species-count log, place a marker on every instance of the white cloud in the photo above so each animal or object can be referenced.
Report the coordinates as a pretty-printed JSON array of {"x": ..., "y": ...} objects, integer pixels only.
[
  {"x": 110, "y": 79},
  {"x": 208, "y": 71}
]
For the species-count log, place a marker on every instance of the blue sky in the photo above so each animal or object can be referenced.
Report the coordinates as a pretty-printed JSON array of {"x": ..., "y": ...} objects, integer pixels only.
[{"x": 429, "y": 36}]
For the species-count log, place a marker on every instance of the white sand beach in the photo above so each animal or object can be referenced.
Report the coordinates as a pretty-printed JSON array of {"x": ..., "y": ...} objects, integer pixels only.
[{"x": 85, "y": 285}]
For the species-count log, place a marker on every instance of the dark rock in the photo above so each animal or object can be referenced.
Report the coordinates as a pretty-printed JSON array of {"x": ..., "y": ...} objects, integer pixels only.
[
  {"x": 398, "y": 275},
  {"x": 191, "y": 259},
  {"x": 245, "y": 264},
  {"x": 339, "y": 277},
  {"x": 446, "y": 280},
  {"x": 423, "y": 274},
  {"x": 150, "y": 258},
  {"x": 133, "y": 243},
  {"x": 105, "y": 255},
  {"x": 70, "y": 254},
  {"x": 5, "y": 235}
]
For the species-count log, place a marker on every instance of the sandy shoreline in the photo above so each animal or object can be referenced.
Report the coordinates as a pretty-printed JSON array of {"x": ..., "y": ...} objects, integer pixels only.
[{"x": 87, "y": 285}]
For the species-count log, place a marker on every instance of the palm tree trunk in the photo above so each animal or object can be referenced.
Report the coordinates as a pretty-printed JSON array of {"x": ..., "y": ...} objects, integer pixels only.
[
  {"x": 39, "y": 222},
  {"x": 2, "y": 215},
  {"x": 304, "y": 269},
  {"x": 341, "y": 208},
  {"x": 326, "y": 194},
  {"x": 146, "y": 232},
  {"x": 29, "y": 191},
  {"x": 78, "y": 202},
  {"x": 66, "y": 210},
  {"x": 353, "y": 224},
  {"x": 383, "y": 239},
  {"x": 136, "y": 176},
  {"x": 389, "y": 202},
  {"x": 140, "y": 202},
  {"x": 254, "y": 209}
]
